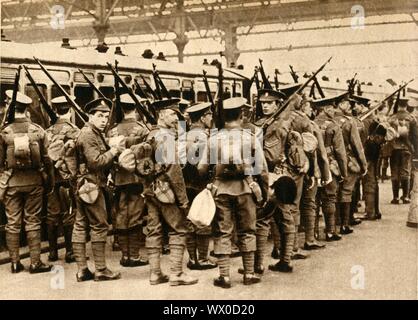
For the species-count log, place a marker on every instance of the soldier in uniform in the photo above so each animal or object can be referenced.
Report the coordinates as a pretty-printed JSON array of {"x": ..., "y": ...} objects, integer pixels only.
[
  {"x": 61, "y": 202},
  {"x": 128, "y": 203},
  {"x": 238, "y": 181},
  {"x": 376, "y": 138},
  {"x": 318, "y": 171},
  {"x": 26, "y": 173},
  {"x": 274, "y": 141},
  {"x": 95, "y": 159},
  {"x": 337, "y": 158},
  {"x": 165, "y": 197},
  {"x": 356, "y": 163},
  {"x": 402, "y": 149},
  {"x": 201, "y": 122}
]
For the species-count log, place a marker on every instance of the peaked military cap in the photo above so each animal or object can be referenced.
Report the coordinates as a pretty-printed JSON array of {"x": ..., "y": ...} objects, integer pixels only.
[
  {"x": 61, "y": 102},
  {"x": 234, "y": 103},
  {"x": 20, "y": 97},
  {"x": 198, "y": 108},
  {"x": 100, "y": 104},
  {"x": 327, "y": 101},
  {"x": 290, "y": 89},
  {"x": 184, "y": 104},
  {"x": 166, "y": 104},
  {"x": 127, "y": 99},
  {"x": 359, "y": 99},
  {"x": 267, "y": 95}
]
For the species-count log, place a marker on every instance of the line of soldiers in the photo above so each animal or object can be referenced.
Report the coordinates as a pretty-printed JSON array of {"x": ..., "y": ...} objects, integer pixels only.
[{"x": 312, "y": 157}]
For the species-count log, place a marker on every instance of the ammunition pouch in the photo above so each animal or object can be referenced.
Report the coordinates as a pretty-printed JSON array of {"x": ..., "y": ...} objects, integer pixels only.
[
  {"x": 352, "y": 164},
  {"x": 333, "y": 164},
  {"x": 255, "y": 189}
]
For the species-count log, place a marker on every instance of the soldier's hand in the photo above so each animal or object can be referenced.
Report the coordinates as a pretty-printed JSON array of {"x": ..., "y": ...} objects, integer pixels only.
[{"x": 364, "y": 173}]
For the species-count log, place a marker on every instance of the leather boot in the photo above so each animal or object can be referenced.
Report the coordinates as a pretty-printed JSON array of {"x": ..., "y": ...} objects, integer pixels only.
[
  {"x": 102, "y": 273},
  {"x": 405, "y": 191},
  {"x": 53, "y": 246},
  {"x": 395, "y": 191},
  {"x": 177, "y": 276},
  {"x": 13, "y": 244},
  {"x": 156, "y": 276},
  {"x": 34, "y": 242}
]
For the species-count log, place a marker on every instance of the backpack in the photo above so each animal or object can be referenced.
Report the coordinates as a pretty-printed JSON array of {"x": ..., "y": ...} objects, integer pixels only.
[{"x": 23, "y": 148}]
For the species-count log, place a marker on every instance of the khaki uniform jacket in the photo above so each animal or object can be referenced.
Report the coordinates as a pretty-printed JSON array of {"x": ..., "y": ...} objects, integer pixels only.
[
  {"x": 333, "y": 142},
  {"x": 352, "y": 140},
  {"x": 26, "y": 177},
  {"x": 93, "y": 155}
]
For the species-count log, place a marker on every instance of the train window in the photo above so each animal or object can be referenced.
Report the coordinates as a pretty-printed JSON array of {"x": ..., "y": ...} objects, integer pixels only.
[
  {"x": 83, "y": 95},
  {"x": 174, "y": 93},
  {"x": 171, "y": 83},
  {"x": 109, "y": 92},
  {"x": 55, "y": 92},
  {"x": 187, "y": 84},
  {"x": 202, "y": 96},
  {"x": 78, "y": 77},
  {"x": 189, "y": 95},
  {"x": 61, "y": 76},
  {"x": 36, "y": 111}
]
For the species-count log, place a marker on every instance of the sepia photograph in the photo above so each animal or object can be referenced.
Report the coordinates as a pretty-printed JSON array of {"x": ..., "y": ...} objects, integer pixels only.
[{"x": 225, "y": 152}]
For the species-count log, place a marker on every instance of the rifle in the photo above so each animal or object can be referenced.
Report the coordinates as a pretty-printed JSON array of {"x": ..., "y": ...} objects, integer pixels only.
[
  {"x": 157, "y": 85},
  {"x": 276, "y": 78},
  {"x": 9, "y": 115},
  {"x": 83, "y": 116},
  {"x": 258, "y": 107},
  {"x": 312, "y": 91},
  {"x": 273, "y": 117},
  {"x": 234, "y": 89},
  {"x": 257, "y": 81},
  {"x": 116, "y": 114},
  {"x": 9, "y": 112},
  {"x": 151, "y": 90},
  {"x": 52, "y": 115},
  {"x": 293, "y": 74},
  {"x": 91, "y": 84},
  {"x": 220, "y": 121},
  {"x": 376, "y": 106},
  {"x": 351, "y": 85},
  {"x": 164, "y": 90},
  {"x": 139, "y": 89},
  {"x": 208, "y": 93},
  {"x": 139, "y": 106},
  {"x": 266, "y": 82},
  {"x": 318, "y": 86}
]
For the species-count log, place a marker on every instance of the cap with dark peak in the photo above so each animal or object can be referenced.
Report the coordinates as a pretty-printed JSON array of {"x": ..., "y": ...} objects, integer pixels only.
[
  {"x": 100, "y": 104},
  {"x": 267, "y": 95},
  {"x": 147, "y": 54},
  {"x": 330, "y": 101},
  {"x": 289, "y": 89}
]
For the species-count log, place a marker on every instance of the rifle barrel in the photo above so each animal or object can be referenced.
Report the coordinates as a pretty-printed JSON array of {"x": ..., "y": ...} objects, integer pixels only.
[{"x": 75, "y": 106}]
